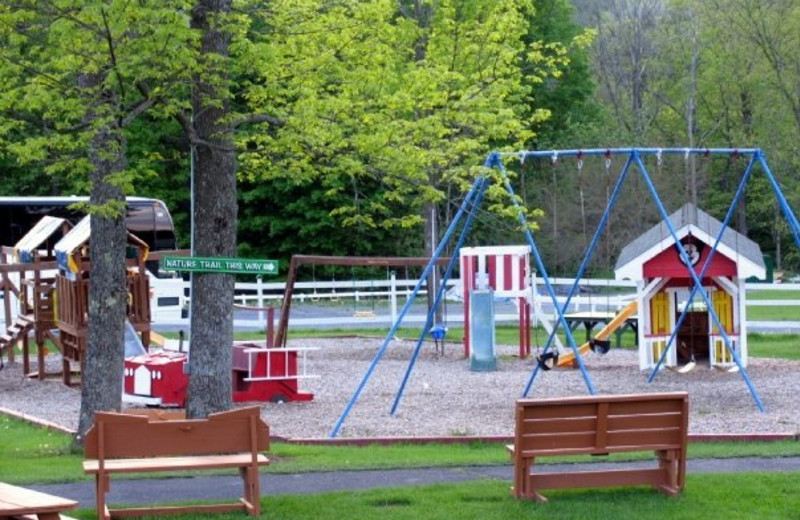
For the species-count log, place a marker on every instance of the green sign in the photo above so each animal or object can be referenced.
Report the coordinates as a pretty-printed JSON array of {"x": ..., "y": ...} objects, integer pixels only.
[{"x": 218, "y": 265}]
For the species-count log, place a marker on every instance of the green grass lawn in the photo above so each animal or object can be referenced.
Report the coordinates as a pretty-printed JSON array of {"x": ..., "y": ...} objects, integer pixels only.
[
  {"x": 764, "y": 496},
  {"x": 773, "y": 295},
  {"x": 787, "y": 313},
  {"x": 31, "y": 454},
  {"x": 781, "y": 346}
]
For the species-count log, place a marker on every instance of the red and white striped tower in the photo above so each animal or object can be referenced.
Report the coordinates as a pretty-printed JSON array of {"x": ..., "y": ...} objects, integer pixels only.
[{"x": 508, "y": 271}]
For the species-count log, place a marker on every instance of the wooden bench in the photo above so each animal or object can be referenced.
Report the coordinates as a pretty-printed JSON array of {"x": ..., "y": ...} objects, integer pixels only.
[
  {"x": 599, "y": 425},
  {"x": 135, "y": 443},
  {"x": 27, "y": 504}
]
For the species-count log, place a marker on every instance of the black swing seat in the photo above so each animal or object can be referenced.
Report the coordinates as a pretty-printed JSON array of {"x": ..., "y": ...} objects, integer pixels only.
[
  {"x": 547, "y": 360},
  {"x": 600, "y": 346}
]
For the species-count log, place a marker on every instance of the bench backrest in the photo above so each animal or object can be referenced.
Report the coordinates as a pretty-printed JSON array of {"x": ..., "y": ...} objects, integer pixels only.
[
  {"x": 118, "y": 435},
  {"x": 601, "y": 424}
]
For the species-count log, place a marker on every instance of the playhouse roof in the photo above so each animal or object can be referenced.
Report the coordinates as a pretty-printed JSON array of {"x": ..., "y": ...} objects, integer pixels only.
[
  {"x": 690, "y": 220},
  {"x": 78, "y": 236},
  {"x": 26, "y": 247}
]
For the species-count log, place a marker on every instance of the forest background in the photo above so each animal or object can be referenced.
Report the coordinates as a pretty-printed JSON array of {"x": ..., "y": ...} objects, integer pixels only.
[{"x": 375, "y": 138}]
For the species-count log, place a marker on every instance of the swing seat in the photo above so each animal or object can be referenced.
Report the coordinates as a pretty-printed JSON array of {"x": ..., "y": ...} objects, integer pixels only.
[
  {"x": 547, "y": 360},
  {"x": 600, "y": 346}
]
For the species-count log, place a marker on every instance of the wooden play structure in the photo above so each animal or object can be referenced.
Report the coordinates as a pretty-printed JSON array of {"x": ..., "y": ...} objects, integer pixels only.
[
  {"x": 72, "y": 290},
  {"x": 46, "y": 288},
  {"x": 601, "y": 425},
  {"x": 28, "y": 284},
  {"x": 663, "y": 286},
  {"x": 132, "y": 443}
]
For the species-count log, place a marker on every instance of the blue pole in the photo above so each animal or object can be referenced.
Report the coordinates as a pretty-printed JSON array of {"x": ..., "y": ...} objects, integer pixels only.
[
  {"x": 496, "y": 162},
  {"x": 739, "y": 192},
  {"x": 450, "y": 230},
  {"x": 628, "y": 151},
  {"x": 439, "y": 294},
  {"x": 696, "y": 280},
  {"x": 584, "y": 264}
]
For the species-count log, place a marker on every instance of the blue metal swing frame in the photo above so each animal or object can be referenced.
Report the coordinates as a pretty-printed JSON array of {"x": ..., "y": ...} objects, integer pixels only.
[{"x": 633, "y": 156}]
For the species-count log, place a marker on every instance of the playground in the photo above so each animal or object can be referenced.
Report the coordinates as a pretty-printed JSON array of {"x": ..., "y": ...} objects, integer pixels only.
[{"x": 445, "y": 398}]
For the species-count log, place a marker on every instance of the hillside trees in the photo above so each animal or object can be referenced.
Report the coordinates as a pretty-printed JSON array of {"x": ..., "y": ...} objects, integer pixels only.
[
  {"x": 70, "y": 75},
  {"x": 690, "y": 73}
]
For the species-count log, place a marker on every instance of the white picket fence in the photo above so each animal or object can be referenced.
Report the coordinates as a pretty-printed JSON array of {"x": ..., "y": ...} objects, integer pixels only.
[{"x": 379, "y": 302}]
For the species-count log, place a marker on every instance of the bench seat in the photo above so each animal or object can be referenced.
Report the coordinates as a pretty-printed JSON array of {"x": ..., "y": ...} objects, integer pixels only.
[{"x": 174, "y": 463}]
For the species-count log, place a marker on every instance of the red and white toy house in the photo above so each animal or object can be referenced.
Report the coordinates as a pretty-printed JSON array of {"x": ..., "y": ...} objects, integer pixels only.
[
  {"x": 664, "y": 284},
  {"x": 506, "y": 269}
]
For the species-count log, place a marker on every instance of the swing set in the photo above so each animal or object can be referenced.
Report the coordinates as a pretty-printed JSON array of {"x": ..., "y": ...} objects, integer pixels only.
[
  {"x": 348, "y": 261},
  {"x": 634, "y": 158}
]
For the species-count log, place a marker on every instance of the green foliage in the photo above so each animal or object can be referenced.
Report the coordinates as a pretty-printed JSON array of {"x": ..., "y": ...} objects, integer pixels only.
[
  {"x": 49, "y": 113},
  {"x": 387, "y": 108}
]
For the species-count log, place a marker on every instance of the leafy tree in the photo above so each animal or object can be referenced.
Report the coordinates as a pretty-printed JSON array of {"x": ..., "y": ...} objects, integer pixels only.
[
  {"x": 390, "y": 105},
  {"x": 72, "y": 74}
]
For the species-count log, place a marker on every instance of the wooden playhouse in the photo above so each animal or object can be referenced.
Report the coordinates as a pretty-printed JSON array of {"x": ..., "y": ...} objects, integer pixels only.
[
  {"x": 73, "y": 253},
  {"x": 664, "y": 284}
]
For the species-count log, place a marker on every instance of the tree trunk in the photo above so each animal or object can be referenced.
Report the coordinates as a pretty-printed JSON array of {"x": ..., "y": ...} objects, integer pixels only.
[
  {"x": 101, "y": 379},
  {"x": 215, "y": 211}
]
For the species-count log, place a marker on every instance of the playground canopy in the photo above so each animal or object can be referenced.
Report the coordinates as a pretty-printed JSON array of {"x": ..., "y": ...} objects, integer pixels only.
[{"x": 25, "y": 249}]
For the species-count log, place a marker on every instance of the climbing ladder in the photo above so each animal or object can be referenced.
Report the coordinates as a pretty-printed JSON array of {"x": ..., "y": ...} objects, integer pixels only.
[{"x": 15, "y": 333}]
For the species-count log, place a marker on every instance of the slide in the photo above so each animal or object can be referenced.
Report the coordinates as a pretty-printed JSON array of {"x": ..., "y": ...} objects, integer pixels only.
[{"x": 618, "y": 321}]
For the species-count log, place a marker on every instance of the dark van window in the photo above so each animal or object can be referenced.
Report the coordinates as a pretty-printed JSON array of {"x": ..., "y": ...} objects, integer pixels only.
[{"x": 148, "y": 219}]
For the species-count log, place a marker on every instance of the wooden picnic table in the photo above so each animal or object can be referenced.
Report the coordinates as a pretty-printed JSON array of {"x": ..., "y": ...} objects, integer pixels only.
[{"x": 21, "y": 502}]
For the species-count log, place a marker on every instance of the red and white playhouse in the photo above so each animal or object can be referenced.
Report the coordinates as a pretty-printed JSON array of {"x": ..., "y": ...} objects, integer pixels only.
[
  {"x": 259, "y": 374},
  {"x": 663, "y": 286},
  {"x": 506, "y": 269}
]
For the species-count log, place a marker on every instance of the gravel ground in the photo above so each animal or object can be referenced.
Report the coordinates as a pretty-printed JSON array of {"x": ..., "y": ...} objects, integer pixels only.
[{"x": 444, "y": 398}]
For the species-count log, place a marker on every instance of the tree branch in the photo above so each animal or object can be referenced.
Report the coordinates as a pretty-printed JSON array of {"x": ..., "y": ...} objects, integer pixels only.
[{"x": 258, "y": 118}]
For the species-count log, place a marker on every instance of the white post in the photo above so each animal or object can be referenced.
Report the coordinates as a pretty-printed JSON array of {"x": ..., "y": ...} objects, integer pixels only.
[
  {"x": 393, "y": 296},
  {"x": 260, "y": 296},
  {"x": 534, "y": 300}
]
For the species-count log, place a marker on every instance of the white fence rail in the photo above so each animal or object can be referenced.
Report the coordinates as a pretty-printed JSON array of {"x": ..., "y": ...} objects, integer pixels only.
[{"x": 389, "y": 295}]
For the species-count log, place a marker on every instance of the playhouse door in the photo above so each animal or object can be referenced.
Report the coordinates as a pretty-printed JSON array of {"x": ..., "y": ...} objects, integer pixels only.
[
  {"x": 723, "y": 306},
  {"x": 659, "y": 324}
]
